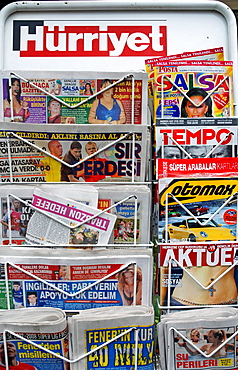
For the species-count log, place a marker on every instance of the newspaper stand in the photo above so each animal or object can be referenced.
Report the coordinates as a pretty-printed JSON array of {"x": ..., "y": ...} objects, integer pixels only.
[{"x": 82, "y": 36}]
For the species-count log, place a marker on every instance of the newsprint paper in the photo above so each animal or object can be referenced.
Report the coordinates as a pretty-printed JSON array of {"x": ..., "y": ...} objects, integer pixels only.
[
  {"x": 46, "y": 328},
  {"x": 93, "y": 328},
  {"x": 74, "y": 280},
  {"x": 37, "y": 153},
  {"x": 20, "y": 211},
  {"x": 197, "y": 339},
  {"x": 53, "y": 97},
  {"x": 82, "y": 224}
]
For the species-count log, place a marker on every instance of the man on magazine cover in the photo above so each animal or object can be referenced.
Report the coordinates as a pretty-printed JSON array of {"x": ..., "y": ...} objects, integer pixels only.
[
  {"x": 73, "y": 156},
  {"x": 32, "y": 299},
  {"x": 93, "y": 169},
  {"x": 17, "y": 294},
  {"x": 15, "y": 216},
  {"x": 12, "y": 361},
  {"x": 50, "y": 165}
]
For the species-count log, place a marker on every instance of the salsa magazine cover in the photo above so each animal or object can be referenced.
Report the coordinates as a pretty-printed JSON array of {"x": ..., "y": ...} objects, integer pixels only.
[{"x": 193, "y": 89}]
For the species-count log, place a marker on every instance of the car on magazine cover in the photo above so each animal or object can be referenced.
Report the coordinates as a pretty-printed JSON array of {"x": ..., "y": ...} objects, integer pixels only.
[
  {"x": 198, "y": 209},
  {"x": 171, "y": 213},
  {"x": 203, "y": 231}
]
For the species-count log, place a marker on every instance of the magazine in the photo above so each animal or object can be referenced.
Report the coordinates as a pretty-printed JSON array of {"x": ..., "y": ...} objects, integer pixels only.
[
  {"x": 65, "y": 98},
  {"x": 60, "y": 221},
  {"x": 208, "y": 54},
  {"x": 36, "y": 339},
  {"x": 193, "y": 89},
  {"x": 208, "y": 147},
  {"x": 20, "y": 197},
  {"x": 73, "y": 281},
  {"x": 135, "y": 197},
  {"x": 49, "y": 153},
  {"x": 201, "y": 210},
  {"x": 197, "y": 274},
  {"x": 114, "y": 327}
]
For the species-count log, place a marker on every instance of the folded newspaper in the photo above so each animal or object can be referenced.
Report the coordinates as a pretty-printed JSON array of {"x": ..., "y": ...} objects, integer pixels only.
[
  {"x": 74, "y": 98},
  {"x": 135, "y": 197},
  {"x": 51, "y": 153},
  {"x": 75, "y": 280},
  {"x": 110, "y": 337},
  {"x": 60, "y": 221},
  {"x": 36, "y": 339},
  {"x": 16, "y": 210},
  {"x": 195, "y": 339}
]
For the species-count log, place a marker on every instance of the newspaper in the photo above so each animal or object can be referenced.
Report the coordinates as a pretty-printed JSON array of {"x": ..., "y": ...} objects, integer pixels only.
[
  {"x": 197, "y": 274},
  {"x": 193, "y": 89},
  {"x": 65, "y": 98},
  {"x": 73, "y": 281},
  {"x": 20, "y": 198},
  {"x": 93, "y": 328},
  {"x": 201, "y": 210},
  {"x": 82, "y": 225},
  {"x": 202, "y": 339},
  {"x": 139, "y": 197},
  {"x": 74, "y": 97},
  {"x": 33, "y": 337},
  {"x": 37, "y": 153}
]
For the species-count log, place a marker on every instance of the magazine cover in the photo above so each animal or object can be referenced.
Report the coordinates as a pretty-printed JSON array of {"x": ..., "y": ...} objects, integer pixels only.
[
  {"x": 201, "y": 210},
  {"x": 205, "y": 148},
  {"x": 20, "y": 210},
  {"x": 49, "y": 153},
  {"x": 60, "y": 221},
  {"x": 47, "y": 329},
  {"x": 71, "y": 281},
  {"x": 208, "y": 54},
  {"x": 193, "y": 89},
  {"x": 135, "y": 198},
  {"x": 197, "y": 274},
  {"x": 58, "y": 98}
]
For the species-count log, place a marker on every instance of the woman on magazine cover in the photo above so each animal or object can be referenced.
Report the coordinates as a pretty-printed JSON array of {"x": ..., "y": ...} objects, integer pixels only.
[
  {"x": 200, "y": 108},
  {"x": 215, "y": 338},
  {"x": 107, "y": 109},
  {"x": 20, "y": 107},
  {"x": 125, "y": 286}
]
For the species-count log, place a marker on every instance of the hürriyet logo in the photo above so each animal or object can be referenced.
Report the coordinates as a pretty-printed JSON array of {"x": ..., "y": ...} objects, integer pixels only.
[{"x": 73, "y": 39}]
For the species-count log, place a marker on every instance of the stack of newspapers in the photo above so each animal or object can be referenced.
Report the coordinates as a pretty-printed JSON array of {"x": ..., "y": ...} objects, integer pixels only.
[
  {"x": 108, "y": 344},
  {"x": 31, "y": 338},
  {"x": 203, "y": 338}
]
